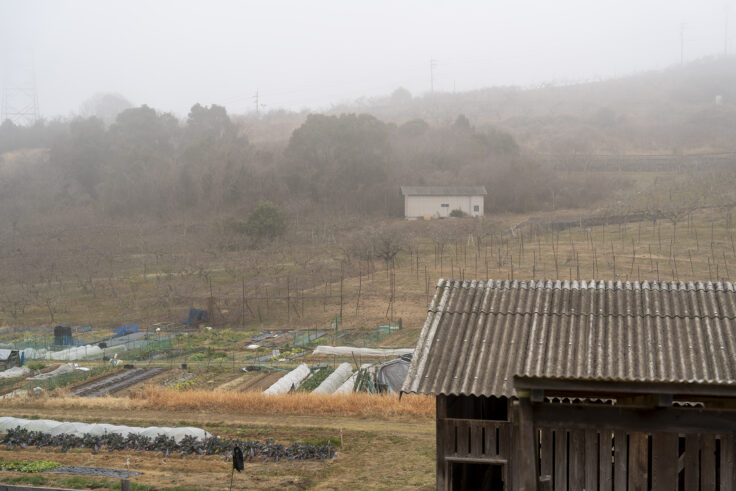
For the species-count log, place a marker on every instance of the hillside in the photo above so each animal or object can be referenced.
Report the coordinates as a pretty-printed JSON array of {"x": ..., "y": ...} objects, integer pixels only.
[{"x": 665, "y": 111}]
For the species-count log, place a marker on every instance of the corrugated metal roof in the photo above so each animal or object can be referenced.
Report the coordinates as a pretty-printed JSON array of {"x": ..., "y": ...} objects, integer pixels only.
[
  {"x": 479, "y": 335},
  {"x": 443, "y": 190}
]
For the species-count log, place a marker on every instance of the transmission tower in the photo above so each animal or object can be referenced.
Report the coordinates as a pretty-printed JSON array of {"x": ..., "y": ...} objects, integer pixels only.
[{"x": 20, "y": 98}]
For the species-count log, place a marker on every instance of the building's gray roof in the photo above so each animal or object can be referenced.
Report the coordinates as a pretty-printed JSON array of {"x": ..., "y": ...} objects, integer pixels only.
[
  {"x": 443, "y": 190},
  {"x": 479, "y": 335}
]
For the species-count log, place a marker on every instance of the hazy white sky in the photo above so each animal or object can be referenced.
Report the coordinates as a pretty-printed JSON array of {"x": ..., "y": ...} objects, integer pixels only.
[{"x": 299, "y": 54}]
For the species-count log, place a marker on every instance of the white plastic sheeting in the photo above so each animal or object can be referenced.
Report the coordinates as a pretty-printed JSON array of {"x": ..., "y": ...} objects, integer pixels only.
[
  {"x": 76, "y": 353},
  {"x": 62, "y": 369},
  {"x": 181, "y": 432},
  {"x": 335, "y": 379},
  {"x": 79, "y": 429},
  {"x": 7, "y": 422},
  {"x": 43, "y": 425},
  {"x": 87, "y": 352},
  {"x": 349, "y": 350},
  {"x": 291, "y": 379},
  {"x": 15, "y": 372},
  {"x": 76, "y": 429}
]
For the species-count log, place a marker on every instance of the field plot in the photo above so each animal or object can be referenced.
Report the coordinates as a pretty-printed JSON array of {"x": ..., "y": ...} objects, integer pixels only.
[
  {"x": 384, "y": 451},
  {"x": 117, "y": 382},
  {"x": 260, "y": 382}
]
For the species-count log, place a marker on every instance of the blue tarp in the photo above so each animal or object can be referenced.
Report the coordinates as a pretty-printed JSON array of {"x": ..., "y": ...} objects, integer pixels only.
[
  {"x": 125, "y": 329},
  {"x": 195, "y": 316}
]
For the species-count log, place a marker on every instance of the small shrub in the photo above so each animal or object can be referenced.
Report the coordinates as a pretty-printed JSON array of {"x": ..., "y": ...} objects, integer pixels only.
[
  {"x": 36, "y": 365},
  {"x": 185, "y": 385},
  {"x": 267, "y": 221},
  {"x": 458, "y": 213}
]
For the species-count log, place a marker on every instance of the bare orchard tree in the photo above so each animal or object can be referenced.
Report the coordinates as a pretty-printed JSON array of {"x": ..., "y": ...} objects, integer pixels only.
[
  {"x": 14, "y": 302},
  {"x": 387, "y": 243},
  {"x": 359, "y": 246},
  {"x": 679, "y": 201}
]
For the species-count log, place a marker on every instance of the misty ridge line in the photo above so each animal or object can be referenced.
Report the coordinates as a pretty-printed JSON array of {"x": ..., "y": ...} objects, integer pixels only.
[{"x": 125, "y": 161}]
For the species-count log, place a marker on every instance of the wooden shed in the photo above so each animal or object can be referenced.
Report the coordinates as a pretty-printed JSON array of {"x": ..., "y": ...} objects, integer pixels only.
[
  {"x": 581, "y": 385},
  {"x": 9, "y": 359}
]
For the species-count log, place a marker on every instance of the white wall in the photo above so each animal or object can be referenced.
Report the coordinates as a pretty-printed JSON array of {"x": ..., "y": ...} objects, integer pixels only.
[{"x": 421, "y": 206}]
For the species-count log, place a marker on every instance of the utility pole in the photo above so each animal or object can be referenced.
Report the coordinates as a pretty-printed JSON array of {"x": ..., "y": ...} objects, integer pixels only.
[
  {"x": 432, "y": 66},
  {"x": 725, "y": 32},
  {"x": 255, "y": 98},
  {"x": 682, "y": 43}
]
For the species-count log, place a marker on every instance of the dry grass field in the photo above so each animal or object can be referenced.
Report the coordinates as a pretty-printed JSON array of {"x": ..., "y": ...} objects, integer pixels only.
[{"x": 362, "y": 405}]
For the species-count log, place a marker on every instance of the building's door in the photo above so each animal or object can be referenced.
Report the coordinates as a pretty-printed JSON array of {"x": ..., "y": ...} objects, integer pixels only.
[{"x": 444, "y": 210}]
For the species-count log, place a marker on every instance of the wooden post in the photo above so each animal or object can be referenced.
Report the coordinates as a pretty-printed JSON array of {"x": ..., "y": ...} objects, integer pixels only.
[
  {"x": 638, "y": 464},
  {"x": 360, "y": 285},
  {"x": 441, "y": 443},
  {"x": 242, "y": 307},
  {"x": 528, "y": 461}
]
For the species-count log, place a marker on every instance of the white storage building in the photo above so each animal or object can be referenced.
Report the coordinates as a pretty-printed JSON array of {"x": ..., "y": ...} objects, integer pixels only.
[{"x": 440, "y": 201}]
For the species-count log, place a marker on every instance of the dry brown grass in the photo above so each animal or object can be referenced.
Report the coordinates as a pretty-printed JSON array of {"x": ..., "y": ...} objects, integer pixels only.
[{"x": 356, "y": 404}]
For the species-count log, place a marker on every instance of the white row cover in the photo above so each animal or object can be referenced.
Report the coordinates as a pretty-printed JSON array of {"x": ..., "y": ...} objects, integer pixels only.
[
  {"x": 61, "y": 370},
  {"x": 87, "y": 352},
  {"x": 80, "y": 429},
  {"x": 292, "y": 379},
  {"x": 335, "y": 379},
  {"x": 351, "y": 350},
  {"x": 15, "y": 372}
]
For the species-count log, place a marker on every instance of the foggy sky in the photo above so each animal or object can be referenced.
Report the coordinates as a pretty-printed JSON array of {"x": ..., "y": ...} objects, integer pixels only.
[{"x": 311, "y": 54}]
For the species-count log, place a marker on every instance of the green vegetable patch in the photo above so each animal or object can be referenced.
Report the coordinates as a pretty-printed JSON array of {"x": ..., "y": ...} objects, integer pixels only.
[{"x": 37, "y": 466}]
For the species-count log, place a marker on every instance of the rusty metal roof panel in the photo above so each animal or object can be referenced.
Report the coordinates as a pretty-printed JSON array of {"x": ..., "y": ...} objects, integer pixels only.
[{"x": 479, "y": 334}]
